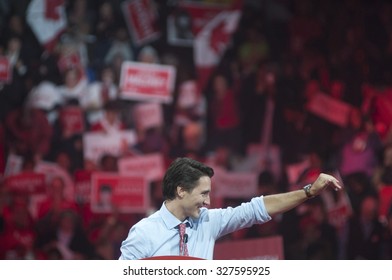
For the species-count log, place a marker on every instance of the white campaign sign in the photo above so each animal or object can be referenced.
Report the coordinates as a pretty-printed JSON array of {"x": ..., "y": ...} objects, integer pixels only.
[
  {"x": 96, "y": 144},
  {"x": 147, "y": 82}
]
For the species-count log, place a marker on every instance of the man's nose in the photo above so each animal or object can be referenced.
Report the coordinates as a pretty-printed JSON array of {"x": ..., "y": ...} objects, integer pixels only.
[{"x": 206, "y": 202}]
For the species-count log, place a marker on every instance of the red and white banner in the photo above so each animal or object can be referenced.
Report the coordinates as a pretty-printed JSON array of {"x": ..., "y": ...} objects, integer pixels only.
[
  {"x": 5, "y": 70},
  {"x": 126, "y": 194},
  {"x": 234, "y": 184},
  {"x": 212, "y": 41},
  {"x": 47, "y": 19},
  {"x": 148, "y": 115},
  {"x": 52, "y": 170},
  {"x": 27, "y": 182},
  {"x": 268, "y": 248},
  {"x": 150, "y": 166},
  {"x": 97, "y": 144},
  {"x": 330, "y": 109},
  {"x": 72, "y": 120},
  {"x": 141, "y": 17},
  {"x": 148, "y": 82}
]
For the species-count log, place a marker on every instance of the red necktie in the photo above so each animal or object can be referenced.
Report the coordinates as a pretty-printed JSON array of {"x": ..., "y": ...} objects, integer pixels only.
[{"x": 183, "y": 240}]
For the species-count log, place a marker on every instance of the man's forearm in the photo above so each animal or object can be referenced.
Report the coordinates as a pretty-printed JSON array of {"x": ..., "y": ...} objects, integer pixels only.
[
  {"x": 279, "y": 203},
  {"x": 282, "y": 202}
]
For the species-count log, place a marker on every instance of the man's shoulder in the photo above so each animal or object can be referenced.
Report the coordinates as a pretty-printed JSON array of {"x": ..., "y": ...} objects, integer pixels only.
[{"x": 150, "y": 221}]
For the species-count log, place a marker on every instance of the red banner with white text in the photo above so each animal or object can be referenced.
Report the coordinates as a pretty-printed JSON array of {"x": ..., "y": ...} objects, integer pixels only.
[
  {"x": 147, "y": 82},
  {"x": 141, "y": 17}
]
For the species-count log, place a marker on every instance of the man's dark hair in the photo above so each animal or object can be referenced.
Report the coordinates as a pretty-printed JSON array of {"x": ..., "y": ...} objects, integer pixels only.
[{"x": 184, "y": 172}]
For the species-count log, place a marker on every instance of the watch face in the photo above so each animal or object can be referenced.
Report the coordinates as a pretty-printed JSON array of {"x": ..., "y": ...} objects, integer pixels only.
[{"x": 307, "y": 190}]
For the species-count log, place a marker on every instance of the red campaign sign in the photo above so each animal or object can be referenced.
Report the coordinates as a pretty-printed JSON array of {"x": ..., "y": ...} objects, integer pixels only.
[
  {"x": 5, "y": 70},
  {"x": 151, "y": 166},
  {"x": 145, "y": 81},
  {"x": 72, "y": 121},
  {"x": 27, "y": 182},
  {"x": 82, "y": 185},
  {"x": 148, "y": 115},
  {"x": 268, "y": 248},
  {"x": 330, "y": 109},
  {"x": 141, "y": 20},
  {"x": 127, "y": 194}
]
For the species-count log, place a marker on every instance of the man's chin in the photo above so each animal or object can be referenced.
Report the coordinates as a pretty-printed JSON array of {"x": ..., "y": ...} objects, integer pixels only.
[{"x": 196, "y": 214}]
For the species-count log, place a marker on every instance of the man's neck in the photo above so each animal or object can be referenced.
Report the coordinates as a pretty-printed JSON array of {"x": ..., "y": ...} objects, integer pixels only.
[{"x": 175, "y": 209}]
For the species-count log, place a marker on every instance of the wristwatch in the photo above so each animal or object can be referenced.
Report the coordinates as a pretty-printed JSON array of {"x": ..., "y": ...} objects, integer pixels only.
[{"x": 307, "y": 190}]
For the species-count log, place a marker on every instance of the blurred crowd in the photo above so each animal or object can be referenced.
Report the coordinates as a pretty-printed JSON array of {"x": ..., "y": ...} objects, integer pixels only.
[{"x": 282, "y": 54}]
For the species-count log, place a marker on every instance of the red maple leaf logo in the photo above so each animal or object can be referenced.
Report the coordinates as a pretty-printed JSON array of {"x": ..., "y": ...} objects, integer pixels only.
[
  {"x": 51, "y": 9},
  {"x": 219, "y": 38}
]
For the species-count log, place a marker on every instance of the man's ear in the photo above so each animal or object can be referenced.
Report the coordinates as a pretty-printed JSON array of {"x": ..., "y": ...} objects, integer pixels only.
[{"x": 180, "y": 191}]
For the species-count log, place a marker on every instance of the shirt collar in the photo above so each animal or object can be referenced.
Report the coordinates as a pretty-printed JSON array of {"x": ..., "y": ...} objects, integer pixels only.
[{"x": 170, "y": 220}]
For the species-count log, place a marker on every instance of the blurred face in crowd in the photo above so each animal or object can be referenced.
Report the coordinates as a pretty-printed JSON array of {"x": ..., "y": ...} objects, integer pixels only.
[
  {"x": 64, "y": 161},
  {"x": 106, "y": 11},
  {"x": 71, "y": 78},
  {"x": 14, "y": 45},
  {"x": 112, "y": 116},
  {"x": 193, "y": 136},
  {"x": 220, "y": 86},
  {"x": 107, "y": 76},
  {"x": 16, "y": 25},
  {"x": 105, "y": 197},
  {"x": 369, "y": 207},
  {"x": 56, "y": 188}
]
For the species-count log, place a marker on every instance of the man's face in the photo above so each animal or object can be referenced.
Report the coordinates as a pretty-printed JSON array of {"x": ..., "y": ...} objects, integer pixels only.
[{"x": 197, "y": 198}]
